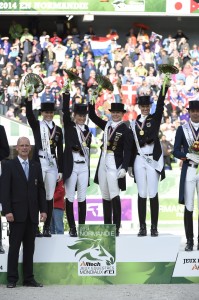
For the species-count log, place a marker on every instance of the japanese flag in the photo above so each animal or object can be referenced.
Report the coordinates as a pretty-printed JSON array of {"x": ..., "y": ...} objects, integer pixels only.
[{"x": 178, "y": 7}]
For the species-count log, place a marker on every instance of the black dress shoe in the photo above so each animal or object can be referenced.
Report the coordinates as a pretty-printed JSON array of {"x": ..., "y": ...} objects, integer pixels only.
[
  {"x": 11, "y": 285},
  {"x": 142, "y": 231},
  {"x": 154, "y": 231},
  {"x": 189, "y": 246},
  {"x": 73, "y": 232},
  {"x": 32, "y": 283},
  {"x": 117, "y": 232},
  {"x": 46, "y": 232}
]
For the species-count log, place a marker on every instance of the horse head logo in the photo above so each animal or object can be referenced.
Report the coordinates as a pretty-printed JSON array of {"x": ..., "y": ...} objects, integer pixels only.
[{"x": 92, "y": 250}]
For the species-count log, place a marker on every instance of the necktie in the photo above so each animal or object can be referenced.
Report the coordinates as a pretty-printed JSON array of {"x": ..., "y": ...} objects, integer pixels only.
[{"x": 25, "y": 167}]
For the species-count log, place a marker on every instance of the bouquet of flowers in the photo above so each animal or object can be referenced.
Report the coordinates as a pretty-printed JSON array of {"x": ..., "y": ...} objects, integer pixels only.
[
  {"x": 194, "y": 148},
  {"x": 194, "y": 153},
  {"x": 167, "y": 70},
  {"x": 72, "y": 76},
  {"x": 103, "y": 84},
  {"x": 33, "y": 84}
]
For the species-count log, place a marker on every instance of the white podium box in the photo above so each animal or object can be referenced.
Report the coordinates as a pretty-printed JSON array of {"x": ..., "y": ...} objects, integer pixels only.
[
  {"x": 129, "y": 248},
  {"x": 138, "y": 260}
]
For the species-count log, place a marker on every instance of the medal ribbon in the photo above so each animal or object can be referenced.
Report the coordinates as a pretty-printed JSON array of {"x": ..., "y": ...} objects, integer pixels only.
[
  {"x": 53, "y": 133},
  {"x": 83, "y": 143},
  {"x": 107, "y": 135},
  {"x": 114, "y": 129},
  {"x": 44, "y": 131},
  {"x": 142, "y": 126},
  {"x": 193, "y": 131}
]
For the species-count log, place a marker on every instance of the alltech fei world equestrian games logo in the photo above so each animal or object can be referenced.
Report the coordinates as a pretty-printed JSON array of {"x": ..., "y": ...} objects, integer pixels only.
[{"x": 95, "y": 250}]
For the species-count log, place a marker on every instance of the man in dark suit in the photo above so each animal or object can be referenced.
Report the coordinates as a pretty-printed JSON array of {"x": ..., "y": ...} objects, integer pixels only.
[
  {"x": 114, "y": 161},
  {"x": 186, "y": 136},
  {"x": 23, "y": 197},
  {"x": 4, "y": 152}
]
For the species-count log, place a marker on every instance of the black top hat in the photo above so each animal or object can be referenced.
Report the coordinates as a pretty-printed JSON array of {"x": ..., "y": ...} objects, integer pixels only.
[
  {"x": 80, "y": 109},
  {"x": 144, "y": 100},
  {"x": 117, "y": 107},
  {"x": 47, "y": 106},
  {"x": 193, "y": 104}
]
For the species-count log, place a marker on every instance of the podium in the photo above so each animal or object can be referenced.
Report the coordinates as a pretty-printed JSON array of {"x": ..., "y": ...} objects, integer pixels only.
[{"x": 139, "y": 260}]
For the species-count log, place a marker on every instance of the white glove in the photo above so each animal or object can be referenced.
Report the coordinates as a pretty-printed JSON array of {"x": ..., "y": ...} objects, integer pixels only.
[
  {"x": 60, "y": 175},
  {"x": 121, "y": 173},
  {"x": 194, "y": 157},
  {"x": 130, "y": 171}
]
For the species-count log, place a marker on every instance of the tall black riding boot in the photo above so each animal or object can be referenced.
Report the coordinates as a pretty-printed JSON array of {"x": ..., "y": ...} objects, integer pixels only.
[
  {"x": 117, "y": 211},
  {"x": 82, "y": 212},
  {"x": 2, "y": 251},
  {"x": 142, "y": 216},
  {"x": 107, "y": 211},
  {"x": 70, "y": 218},
  {"x": 46, "y": 229},
  {"x": 188, "y": 225},
  {"x": 154, "y": 206}
]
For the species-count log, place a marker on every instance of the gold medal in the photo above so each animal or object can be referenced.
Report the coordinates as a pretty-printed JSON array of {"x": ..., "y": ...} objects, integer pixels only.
[
  {"x": 108, "y": 143},
  {"x": 51, "y": 142},
  {"x": 141, "y": 132},
  {"x": 84, "y": 144}
]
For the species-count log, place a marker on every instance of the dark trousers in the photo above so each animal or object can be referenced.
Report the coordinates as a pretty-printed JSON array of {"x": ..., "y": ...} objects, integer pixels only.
[{"x": 21, "y": 232}]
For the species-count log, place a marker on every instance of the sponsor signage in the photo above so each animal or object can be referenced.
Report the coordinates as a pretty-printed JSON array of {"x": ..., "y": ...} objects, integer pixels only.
[
  {"x": 187, "y": 264},
  {"x": 95, "y": 209},
  {"x": 96, "y": 250}
]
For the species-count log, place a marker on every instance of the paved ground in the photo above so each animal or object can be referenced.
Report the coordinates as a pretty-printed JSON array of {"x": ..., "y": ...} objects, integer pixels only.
[{"x": 113, "y": 292}]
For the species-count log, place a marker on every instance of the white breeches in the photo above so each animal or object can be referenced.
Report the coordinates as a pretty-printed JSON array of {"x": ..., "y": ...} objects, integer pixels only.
[
  {"x": 191, "y": 184},
  {"x": 79, "y": 178},
  {"x": 146, "y": 178},
  {"x": 50, "y": 175},
  {"x": 107, "y": 176}
]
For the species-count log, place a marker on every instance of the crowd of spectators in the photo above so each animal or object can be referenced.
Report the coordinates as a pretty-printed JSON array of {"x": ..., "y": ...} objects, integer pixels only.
[{"x": 132, "y": 68}]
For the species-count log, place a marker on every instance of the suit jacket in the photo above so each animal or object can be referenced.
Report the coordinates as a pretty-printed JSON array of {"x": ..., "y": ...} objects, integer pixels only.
[
  {"x": 122, "y": 146},
  {"x": 57, "y": 140},
  {"x": 71, "y": 138},
  {"x": 22, "y": 197},
  {"x": 181, "y": 148}
]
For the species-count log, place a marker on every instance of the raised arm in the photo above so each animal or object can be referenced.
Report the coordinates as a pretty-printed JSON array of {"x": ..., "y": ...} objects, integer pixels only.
[
  {"x": 66, "y": 109},
  {"x": 97, "y": 120},
  {"x": 33, "y": 122},
  {"x": 160, "y": 105}
]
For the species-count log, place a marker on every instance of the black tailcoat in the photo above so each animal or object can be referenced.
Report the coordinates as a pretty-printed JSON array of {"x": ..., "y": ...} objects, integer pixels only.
[
  {"x": 4, "y": 148},
  {"x": 151, "y": 130},
  {"x": 122, "y": 148},
  {"x": 57, "y": 140},
  {"x": 181, "y": 148},
  {"x": 71, "y": 138}
]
